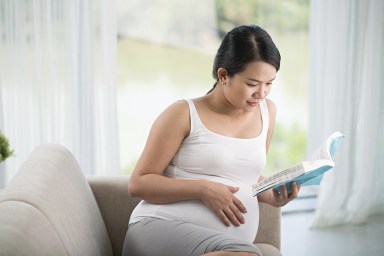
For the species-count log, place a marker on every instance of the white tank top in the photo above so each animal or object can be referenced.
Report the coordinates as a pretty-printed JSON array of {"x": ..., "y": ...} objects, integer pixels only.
[{"x": 210, "y": 156}]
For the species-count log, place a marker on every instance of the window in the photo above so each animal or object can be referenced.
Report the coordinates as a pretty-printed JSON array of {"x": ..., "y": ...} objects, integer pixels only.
[{"x": 166, "y": 51}]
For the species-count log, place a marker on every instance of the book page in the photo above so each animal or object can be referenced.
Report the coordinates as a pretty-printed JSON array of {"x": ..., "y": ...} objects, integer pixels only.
[
  {"x": 324, "y": 151},
  {"x": 321, "y": 153},
  {"x": 286, "y": 173},
  {"x": 280, "y": 177}
]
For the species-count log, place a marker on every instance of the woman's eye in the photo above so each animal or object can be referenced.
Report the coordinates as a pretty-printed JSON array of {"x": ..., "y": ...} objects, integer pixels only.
[{"x": 252, "y": 85}]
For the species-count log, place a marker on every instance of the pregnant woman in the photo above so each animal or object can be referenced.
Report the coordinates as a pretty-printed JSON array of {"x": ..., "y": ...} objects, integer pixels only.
[{"x": 202, "y": 156}]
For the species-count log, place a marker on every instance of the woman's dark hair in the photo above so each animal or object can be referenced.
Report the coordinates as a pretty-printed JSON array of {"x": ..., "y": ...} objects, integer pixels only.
[{"x": 242, "y": 45}]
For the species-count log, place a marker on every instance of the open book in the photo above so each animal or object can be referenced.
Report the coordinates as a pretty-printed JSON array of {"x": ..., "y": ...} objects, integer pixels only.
[{"x": 306, "y": 173}]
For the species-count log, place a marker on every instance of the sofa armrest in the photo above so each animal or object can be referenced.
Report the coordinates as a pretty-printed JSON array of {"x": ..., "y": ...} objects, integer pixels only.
[
  {"x": 269, "y": 225},
  {"x": 116, "y": 206}
]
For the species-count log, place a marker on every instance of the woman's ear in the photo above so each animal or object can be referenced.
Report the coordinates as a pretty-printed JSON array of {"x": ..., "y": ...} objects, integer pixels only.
[{"x": 222, "y": 75}]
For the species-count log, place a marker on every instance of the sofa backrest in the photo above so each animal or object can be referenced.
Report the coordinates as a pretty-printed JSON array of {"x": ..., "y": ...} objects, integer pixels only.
[{"x": 48, "y": 208}]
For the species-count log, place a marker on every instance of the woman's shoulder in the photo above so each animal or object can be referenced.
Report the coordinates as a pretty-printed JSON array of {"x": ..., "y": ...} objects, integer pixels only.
[
  {"x": 270, "y": 103},
  {"x": 174, "y": 117},
  {"x": 271, "y": 106},
  {"x": 179, "y": 107}
]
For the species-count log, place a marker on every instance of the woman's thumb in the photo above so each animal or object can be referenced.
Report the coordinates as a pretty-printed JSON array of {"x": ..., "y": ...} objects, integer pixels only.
[{"x": 233, "y": 189}]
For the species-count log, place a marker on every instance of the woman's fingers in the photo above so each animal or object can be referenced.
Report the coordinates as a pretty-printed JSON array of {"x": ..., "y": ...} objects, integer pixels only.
[
  {"x": 238, "y": 214},
  {"x": 283, "y": 197},
  {"x": 239, "y": 205},
  {"x": 221, "y": 199},
  {"x": 232, "y": 217},
  {"x": 284, "y": 191},
  {"x": 224, "y": 218},
  {"x": 233, "y": 214},
  {"x": 294, "y": 191}
]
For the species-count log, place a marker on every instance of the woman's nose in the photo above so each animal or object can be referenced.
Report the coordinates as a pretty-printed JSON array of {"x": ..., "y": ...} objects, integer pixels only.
[{"x": 260, "y": 91}]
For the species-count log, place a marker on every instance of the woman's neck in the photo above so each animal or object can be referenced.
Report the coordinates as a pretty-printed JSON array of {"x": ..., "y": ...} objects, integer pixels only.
[{"x": 217, "y": 102}]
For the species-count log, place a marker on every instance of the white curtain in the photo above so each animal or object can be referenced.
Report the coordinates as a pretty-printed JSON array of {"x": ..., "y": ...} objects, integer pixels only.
[
  {"x": 57, "y": 80},
  {"x": 346, "y": 94}
]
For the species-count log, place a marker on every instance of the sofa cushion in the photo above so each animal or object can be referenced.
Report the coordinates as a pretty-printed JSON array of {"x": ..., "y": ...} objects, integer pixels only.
[{"x": 51, "y": 181}]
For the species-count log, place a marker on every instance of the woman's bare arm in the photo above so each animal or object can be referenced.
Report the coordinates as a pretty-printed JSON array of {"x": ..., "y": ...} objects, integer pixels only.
[{"x": 165, "y": 138}]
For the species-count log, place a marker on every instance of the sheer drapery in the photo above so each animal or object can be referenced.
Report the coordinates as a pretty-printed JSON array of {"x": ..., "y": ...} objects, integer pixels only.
[
  {"x": 346, "y": 94},
  {"x": 57, "y": 79}
]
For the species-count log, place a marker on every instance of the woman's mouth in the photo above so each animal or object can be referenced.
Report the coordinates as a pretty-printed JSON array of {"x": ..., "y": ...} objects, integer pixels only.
[{"x": 253, "y": 103}]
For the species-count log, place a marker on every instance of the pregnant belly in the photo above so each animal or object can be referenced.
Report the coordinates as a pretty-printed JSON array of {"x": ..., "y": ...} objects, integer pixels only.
[{"x": 196, "y": 212}]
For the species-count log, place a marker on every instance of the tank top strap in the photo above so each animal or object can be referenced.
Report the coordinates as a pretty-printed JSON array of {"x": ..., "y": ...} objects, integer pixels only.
[
  {"x": 264, "y": 115},
  {"x": 195, "y": 120}
]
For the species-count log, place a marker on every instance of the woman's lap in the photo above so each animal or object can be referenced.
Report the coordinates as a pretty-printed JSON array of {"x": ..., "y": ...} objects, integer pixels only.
[{"x": 153, "y": 236}]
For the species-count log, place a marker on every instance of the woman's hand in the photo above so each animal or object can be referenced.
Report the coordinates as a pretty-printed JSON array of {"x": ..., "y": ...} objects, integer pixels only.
[
  {"x": 279, "y": 199},
  {"x": 221, "y": 200}
]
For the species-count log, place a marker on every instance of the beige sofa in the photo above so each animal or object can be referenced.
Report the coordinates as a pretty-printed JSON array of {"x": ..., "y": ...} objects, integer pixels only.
[{"x": 51, "y": 208}]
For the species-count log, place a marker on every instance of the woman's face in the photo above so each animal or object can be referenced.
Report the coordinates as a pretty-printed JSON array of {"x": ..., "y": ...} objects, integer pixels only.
[{"x": 246, "y": 89}]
